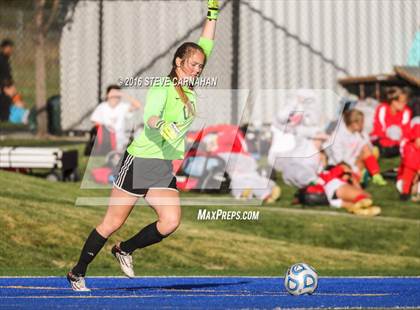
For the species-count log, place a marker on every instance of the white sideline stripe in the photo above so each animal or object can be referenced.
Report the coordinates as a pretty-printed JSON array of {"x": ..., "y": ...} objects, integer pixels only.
[
  {"x": 253, "y": 277},
  {"x": 334, "y": 213},
  {"x": 101, "y": 201}
]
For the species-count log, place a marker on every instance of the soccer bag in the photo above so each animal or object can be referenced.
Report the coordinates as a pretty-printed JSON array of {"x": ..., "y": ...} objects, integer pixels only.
[
  {"x": 206, "y": 174},
  {"x": 101, "y": 141},
  {"x": 312, "y": 195}
]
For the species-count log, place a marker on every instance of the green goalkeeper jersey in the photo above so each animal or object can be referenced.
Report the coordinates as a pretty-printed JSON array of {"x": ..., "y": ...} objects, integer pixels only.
[{"x": 163, "y": 101}]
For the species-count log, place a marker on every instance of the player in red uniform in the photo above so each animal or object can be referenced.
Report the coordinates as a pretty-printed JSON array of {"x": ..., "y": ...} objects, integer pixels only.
[
  {"x": 409, "y": 170},
  {"x": 342, "y": 188},
  {"x": 391, "y": 123}
]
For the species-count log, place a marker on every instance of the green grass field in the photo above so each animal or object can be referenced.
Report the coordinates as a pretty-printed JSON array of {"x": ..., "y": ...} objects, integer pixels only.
[{"x": 43, "y": 231}]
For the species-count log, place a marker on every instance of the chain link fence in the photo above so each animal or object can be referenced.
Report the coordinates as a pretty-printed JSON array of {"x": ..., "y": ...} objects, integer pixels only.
[
  {"x": 17, "y": 24},
  {"x": 260, "y": 45},
  {"x": 129, "y": 40},
  {"x": 311, "y": 44}
]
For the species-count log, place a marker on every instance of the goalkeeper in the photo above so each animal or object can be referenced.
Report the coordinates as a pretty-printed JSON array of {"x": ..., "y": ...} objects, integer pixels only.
[{"x": 146, "y": 167}]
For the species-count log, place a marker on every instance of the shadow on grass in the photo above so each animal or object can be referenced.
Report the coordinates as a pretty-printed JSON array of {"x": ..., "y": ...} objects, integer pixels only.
[{"x": 175, "y": 287}]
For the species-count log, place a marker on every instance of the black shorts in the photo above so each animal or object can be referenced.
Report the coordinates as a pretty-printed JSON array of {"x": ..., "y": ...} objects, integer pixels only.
[
  {"x": 387, "y": 152},
  {"x": 137, "y": 175}
]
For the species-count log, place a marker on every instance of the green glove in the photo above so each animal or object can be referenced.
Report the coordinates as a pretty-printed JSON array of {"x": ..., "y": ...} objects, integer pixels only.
[
  {"x": 213, "y": 12},
  {"x": 169, "y": 131}
]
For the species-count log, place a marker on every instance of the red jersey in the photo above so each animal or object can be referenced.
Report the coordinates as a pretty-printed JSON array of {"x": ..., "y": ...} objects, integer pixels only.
[
  {"x": 390, "y": 129},
  {"x": 410, "y": 157},
  {"x": 337, "y": 172},
  {"x": 328, "y": 175}
]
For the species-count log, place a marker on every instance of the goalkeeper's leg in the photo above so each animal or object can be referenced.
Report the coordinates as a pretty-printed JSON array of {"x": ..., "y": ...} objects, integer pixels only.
[
  {"x": 121, "y": 204},
  {"x": 166, "y": 204}
]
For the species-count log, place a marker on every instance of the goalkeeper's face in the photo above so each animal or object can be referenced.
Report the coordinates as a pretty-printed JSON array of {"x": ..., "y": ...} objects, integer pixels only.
[{"x": 191, "y": 66}]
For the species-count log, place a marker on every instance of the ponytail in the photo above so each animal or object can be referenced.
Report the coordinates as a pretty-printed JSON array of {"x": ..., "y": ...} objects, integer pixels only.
[{"x": 174, "y": 78}]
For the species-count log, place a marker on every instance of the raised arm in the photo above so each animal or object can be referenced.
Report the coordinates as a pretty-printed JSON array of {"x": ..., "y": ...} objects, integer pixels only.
[
  {"x": 209, "y": 28},
  {"x": 135, "y": 104}
]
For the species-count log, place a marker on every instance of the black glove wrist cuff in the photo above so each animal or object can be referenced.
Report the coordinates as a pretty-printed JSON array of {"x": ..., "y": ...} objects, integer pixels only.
[{"x": 159, "y": 124}]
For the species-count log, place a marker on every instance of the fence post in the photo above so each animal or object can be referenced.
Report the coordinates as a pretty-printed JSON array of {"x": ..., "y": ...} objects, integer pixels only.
[
  {"x": 235, "y": 59},
  {"x": 100, "y": 43}
]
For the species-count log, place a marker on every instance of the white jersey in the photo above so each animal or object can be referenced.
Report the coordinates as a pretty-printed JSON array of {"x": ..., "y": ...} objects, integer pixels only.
[
  {"x": 346, "y": 146},
  {"x": 114, "y": 118},
  {"x": 302, "y": 166},
  {"x": 242, "y": 170}
]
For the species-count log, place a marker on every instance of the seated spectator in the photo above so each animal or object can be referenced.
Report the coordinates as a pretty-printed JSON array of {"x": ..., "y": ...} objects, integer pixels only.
[
  {"x": 343, "y": 191},
  {"x": 409, "y": 170},
  {"x": 391, "y": 122},
  {"x": 112, "y": 114},
  {"x": 351, "y": 146},
  {"x": 340, "y": 186},
  {"x": 18, "y": 114}
]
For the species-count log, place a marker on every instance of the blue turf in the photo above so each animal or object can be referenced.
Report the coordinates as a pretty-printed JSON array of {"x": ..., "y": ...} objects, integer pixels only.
[{"x": 208, "y": 293}]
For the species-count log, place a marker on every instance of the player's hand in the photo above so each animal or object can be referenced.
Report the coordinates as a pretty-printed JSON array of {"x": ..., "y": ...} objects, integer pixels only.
[
  {"x": 169, "y": 131},
  {"x": 213, "y": 9}
]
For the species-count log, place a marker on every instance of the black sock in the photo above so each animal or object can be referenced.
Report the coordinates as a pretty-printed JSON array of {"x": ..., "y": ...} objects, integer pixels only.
[
  {"x": 147, "y": 236},
  {"x": 93, "y": 245}
]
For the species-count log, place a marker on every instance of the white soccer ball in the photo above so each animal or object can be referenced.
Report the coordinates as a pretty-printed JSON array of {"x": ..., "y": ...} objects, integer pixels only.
[{"x": 301, "y": 279}]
